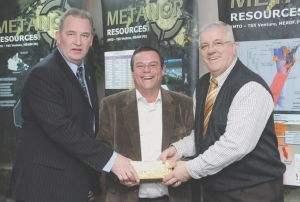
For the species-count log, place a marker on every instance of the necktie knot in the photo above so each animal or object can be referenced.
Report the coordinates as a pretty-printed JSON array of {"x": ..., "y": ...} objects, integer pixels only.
[
  {"x": 214, "y": 83},
  {"x": 79, "y": 69},
  {"x": 79, "y": 75}
]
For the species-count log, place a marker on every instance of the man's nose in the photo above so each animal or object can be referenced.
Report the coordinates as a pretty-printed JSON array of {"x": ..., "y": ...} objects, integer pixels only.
[
  {"x": 211, "y": 48},
  {"x": 77, "y": 40},
  {"x": 147, "y": 68}
]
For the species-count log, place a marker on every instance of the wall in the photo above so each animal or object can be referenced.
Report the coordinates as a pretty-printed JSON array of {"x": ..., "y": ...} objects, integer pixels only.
[
  {"x": 95, "y": 8},
  {"x": 208, "y": 12}
]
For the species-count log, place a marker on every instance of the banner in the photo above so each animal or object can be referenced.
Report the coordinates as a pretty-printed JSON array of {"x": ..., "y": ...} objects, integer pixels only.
[
  {"x": 171, "y": 26},
  {"x": 27, "y": 35},
  {"x": 267, "y": 36}
]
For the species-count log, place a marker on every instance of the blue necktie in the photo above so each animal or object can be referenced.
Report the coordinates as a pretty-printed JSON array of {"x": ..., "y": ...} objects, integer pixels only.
[{"x": 80, "y": 78}]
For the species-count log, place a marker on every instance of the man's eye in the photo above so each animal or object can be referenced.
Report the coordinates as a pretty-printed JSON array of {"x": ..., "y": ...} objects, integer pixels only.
[
  {"x": 204, "y": 46},
  {"x": 153, "y": 65},
  {"x": 218, "y": 43}
]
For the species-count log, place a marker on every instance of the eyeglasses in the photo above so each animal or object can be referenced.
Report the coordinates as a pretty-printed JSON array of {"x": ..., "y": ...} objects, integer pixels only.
[
  {"x": 215, "y": 44},
  {"x": 141, "y": 66}
]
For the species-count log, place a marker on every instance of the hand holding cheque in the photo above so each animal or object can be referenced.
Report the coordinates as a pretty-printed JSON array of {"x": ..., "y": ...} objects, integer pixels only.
[{"x": 179, "y": 173}]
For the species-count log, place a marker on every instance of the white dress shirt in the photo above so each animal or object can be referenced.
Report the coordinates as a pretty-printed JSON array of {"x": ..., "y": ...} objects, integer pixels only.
[
  {"x": 247, "y": 118},
  {"x": 150, "y": 125}
]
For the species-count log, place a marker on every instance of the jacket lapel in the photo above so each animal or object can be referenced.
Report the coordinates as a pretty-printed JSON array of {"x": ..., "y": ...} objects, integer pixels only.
[
  {"x": 168, "y": 118},
  {"x": 91, "y": 89},
  {"x": 69, "y": 74},
  {"x": 130, "y": 114}
]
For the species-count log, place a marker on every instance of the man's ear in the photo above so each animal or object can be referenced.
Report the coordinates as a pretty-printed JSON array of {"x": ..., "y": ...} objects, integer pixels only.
[
  {"x": 163, "y": 69},
  {"x": 57, "y": 36},
  {"x": 234, "y": 48},
  {"x": 92, "y": 40}
]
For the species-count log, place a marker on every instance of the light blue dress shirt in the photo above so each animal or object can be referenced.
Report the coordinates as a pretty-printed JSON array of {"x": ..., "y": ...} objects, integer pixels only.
[{"x": 110, "y": 163}]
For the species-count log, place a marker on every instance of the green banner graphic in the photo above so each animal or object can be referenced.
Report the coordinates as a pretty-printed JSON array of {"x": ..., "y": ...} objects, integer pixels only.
[{"x": 171, "y": 26}]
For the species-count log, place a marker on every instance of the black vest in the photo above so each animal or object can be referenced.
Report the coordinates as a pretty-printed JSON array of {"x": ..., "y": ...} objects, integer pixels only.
[{"x": 260, "y": 165}]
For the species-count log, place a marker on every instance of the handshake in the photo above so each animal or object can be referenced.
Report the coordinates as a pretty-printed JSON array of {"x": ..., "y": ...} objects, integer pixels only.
[{"x": 167, "y": 167}]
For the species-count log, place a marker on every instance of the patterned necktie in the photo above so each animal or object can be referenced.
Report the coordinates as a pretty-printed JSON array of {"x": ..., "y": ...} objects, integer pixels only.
[
  {"x": 211, "y": 96},
  {"x": 79, "y": 76}
]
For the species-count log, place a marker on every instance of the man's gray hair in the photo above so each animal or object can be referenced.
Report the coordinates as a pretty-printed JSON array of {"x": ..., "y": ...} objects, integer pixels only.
[
  {"x": 213, "y": 25},
  {"x": 75, "y": 12}
]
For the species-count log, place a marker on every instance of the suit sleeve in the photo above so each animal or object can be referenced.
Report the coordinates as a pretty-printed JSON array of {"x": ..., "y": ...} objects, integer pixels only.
[
  {"x": 46, "y": 105},
  {"x": 105, "y": 135},
  {"x": 189, "y": 117}
]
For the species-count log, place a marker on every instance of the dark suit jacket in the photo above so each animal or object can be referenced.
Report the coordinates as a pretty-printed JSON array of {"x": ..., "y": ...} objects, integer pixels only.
[
  {"x": 119, "y": 130},
  {"x": 57, "y": 155}
]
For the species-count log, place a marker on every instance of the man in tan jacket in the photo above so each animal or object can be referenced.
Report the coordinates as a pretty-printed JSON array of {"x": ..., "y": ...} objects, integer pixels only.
[{"x": 141, "y": 123}]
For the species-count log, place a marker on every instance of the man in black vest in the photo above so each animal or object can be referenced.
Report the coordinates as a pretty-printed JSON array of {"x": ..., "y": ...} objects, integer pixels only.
[{"x": 234, "y": 142}]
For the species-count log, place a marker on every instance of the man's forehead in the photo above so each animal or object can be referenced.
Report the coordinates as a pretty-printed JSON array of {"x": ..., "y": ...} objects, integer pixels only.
[
  {"x": 149, "y": 53},
  {"x": 214, "y": 34},
  {"x": 69, "y": 26}
]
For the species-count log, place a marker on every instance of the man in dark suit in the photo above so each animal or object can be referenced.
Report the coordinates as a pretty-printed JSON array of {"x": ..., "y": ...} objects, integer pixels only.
[
  {"x": 142, "y": 122},
  {"x": 57, "y": 156}
]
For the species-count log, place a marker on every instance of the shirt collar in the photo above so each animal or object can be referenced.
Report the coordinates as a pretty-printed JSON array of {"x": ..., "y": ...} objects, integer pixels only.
[
  {"x": 221, "y": 78},
  {"x": 139, "y": 96},
  {"x": 72, "y": 65}
]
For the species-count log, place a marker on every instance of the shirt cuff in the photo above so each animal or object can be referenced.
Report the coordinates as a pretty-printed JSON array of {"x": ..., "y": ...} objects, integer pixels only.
[
  {"x": 193, "y": 169},
  {"x": 110, "y": 163}
]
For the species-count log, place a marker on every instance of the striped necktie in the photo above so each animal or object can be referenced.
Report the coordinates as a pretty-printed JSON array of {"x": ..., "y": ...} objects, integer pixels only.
[
  {"x": 79, "y": 76},
  {"x": 210, "y": 99}
]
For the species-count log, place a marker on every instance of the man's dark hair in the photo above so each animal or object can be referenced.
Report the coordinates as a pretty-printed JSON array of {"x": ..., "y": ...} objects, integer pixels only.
[{"x": 142, "y": 49}]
